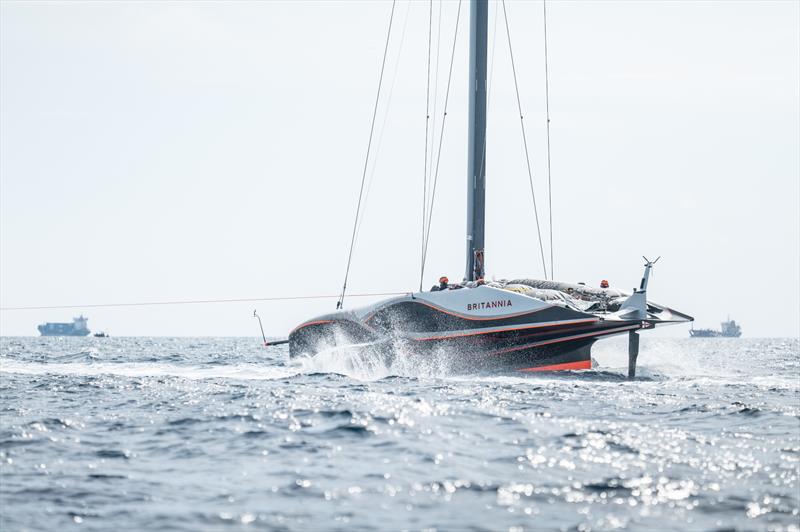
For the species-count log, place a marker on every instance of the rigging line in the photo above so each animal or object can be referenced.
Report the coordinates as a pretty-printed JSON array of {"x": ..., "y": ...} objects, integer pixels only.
[
  {"x": 382, "y": 130},
  {"x": 425, "y": 168},
  {"x": 441, "y": 137},
  {"x": 489, "y": 88},
  {"x": 525, "y": 141},
  {"x": 200, "y": 301},
  {"x": 547, "y": 112},
  {"x": 435, "y": 88},
  {"x": 366, "y": 159}
]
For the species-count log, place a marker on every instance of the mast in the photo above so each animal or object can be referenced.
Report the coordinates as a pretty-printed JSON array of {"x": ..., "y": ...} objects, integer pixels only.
[{"x": 476, "y": 164}]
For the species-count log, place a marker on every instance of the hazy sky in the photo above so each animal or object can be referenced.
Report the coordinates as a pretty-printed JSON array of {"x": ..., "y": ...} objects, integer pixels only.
[{"x": 173, "y": 151}]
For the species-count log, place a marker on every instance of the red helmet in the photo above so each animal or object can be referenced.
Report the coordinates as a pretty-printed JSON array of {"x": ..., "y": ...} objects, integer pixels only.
[
  {"x": 603, "y": 284},
  {"x": 444, "y": 279}
]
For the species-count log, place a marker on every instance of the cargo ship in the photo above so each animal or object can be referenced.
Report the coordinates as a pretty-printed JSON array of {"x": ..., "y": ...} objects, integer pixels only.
[
  {"x": 76, "y": 328},
  {"x": 730, "y": 329}
]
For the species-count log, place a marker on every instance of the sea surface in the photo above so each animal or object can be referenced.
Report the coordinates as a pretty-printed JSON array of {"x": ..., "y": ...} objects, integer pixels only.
[{"x": 224, "y": 434}]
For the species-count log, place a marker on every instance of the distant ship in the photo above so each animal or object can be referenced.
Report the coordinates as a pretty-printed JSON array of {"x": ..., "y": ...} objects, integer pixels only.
[
  {"x": 76, "y": 328},
  {"x": 729, "y": 330}
]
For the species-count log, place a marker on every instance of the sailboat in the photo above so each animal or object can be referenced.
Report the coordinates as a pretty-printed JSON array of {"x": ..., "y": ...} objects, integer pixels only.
[{"x": 525, "y": 325}]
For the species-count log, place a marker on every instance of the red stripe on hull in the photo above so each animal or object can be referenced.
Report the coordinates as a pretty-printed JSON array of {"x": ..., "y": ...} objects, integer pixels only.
[
  {"x": 582, "y": 364},
  {"x": 308, "y": 324}
]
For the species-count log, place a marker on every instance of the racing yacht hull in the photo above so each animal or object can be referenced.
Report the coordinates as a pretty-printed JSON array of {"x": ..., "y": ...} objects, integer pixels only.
[{"x": 477, "y": 329}]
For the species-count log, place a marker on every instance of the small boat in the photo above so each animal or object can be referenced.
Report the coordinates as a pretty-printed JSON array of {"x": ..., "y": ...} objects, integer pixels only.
[
  {"x": 512, "y": 325},
  {"x": 101, "y": 334}
]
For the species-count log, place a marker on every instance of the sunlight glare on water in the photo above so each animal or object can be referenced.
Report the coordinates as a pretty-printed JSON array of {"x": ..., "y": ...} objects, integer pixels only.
[{"x": 219, "y": 433}]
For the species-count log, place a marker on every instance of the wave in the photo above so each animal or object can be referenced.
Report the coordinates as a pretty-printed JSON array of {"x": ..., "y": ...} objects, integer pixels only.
[
  {"x": 126, "y": 369},
  {"x": 684, "y": 363}
]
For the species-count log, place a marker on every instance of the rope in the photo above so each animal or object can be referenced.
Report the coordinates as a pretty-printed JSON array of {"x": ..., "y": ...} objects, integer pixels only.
[
  {"x": 525, "y": 141},
  {"x": 441, "y": 137},
  {"x": 431, "y": 155},
  {"x": 200, "y": 301},
  {"x": 387, "y": 108},
  {"x": 366, "y": 159},
  {"x": 425, "y": 168},
  {"x": 547, "y": 110},
  {"x": 436, "y": 83}
]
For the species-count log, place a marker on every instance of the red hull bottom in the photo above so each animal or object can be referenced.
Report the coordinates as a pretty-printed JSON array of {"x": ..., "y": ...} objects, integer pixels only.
[{"x": 569, "y": 366}]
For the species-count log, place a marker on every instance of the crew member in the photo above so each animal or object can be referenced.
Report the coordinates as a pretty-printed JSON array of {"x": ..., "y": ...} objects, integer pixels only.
[
  {"x": 603, "y": 284},
  {"x": 443, "y": 280}
]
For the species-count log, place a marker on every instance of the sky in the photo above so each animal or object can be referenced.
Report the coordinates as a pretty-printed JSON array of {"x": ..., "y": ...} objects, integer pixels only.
[{"x": 170, "y": 151}]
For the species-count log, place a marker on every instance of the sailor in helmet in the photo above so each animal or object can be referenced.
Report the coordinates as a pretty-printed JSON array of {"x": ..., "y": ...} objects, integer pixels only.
[{"x": 443, "y": 284}]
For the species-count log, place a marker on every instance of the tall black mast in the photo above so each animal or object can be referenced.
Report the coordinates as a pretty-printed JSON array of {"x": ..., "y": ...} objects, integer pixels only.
[{"x": 476, "y": 165}]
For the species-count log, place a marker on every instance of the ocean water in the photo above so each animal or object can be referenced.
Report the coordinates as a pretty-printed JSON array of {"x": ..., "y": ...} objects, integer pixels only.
[{"x": 223, "y": 434}]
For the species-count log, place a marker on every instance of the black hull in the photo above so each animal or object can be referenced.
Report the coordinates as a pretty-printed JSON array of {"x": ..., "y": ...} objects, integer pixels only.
[
  {"x": 520, "y": 347},
  {"x": 463, "y": 359},
  {"x": 480, "y": 329}
]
